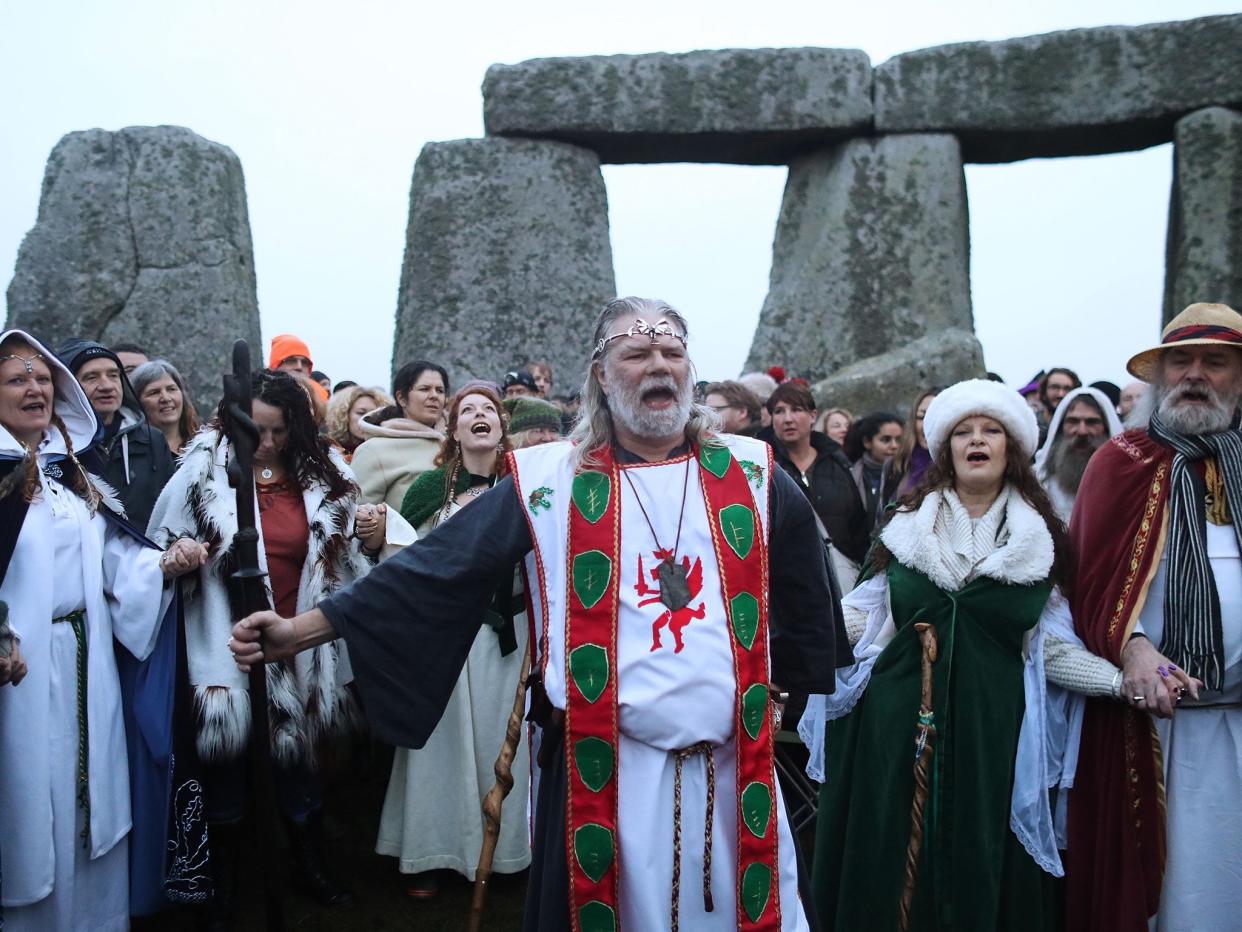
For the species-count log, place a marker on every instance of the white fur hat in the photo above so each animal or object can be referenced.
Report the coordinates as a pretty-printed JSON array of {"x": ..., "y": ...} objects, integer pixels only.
[{"x": 980, "y": 396}]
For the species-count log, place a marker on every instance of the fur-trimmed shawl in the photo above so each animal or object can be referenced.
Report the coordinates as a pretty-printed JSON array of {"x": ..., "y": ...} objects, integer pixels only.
[
  {"x": 307, "y": 695},
  {"x": 1020, "y": 550}
]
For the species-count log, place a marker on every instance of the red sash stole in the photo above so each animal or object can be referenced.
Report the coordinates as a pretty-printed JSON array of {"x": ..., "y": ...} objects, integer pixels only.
[{"x": 591, "y": 741}]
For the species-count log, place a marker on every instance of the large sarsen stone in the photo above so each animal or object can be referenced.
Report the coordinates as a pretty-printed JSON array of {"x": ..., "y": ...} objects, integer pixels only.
[
  {"x": 1204, "y": 254},
  {"x": 1078, "y": 92},
  {"x": 507, "y": 258},
  {"x": 871, "y": 253},
  {"x": 142, "y": 235},
  {"x": 891, "y": 381},
  {"x": 750, "y": 106}
]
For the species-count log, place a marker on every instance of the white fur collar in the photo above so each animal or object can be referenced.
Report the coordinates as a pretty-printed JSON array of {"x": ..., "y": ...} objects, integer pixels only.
[{"x": 1023, "y": 555}]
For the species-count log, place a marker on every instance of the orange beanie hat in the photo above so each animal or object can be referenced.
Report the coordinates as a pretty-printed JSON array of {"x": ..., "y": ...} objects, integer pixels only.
[{"x": 285, "y": 345}]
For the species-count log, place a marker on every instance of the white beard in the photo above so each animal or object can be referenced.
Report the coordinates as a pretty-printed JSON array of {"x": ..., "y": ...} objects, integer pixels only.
[
  {"x": 627, "y": 406},
  {"x": 1194, "y": 419}
]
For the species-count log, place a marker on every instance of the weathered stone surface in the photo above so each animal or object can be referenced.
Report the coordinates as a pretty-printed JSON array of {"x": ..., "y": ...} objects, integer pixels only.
[
  {"x": 1078, "y": 92},
  {"x": 871, "y": 253},
  {"x": 507, "y": 258},
  {"x": 750, "y": 106},
  {"x": 142, "y": 235},
  {"x": 891, "y": 381},
  {"x": 1204, "y": 254}
]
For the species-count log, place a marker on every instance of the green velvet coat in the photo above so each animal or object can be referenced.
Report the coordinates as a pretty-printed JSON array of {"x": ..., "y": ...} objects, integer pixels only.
[{"x": 974, "y": 874}]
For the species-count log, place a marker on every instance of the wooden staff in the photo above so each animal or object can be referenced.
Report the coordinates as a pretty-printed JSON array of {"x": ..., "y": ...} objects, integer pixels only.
[
  {"x": 495, "y": 798},
  {"x": 924, "y": 735},
  {"x": 243, "y": 440}
]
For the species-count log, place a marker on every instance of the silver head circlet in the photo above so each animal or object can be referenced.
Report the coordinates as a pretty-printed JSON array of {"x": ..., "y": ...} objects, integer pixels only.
[
  {"x": 27, "y": 361},
  {"x": 640, "y": 328}
]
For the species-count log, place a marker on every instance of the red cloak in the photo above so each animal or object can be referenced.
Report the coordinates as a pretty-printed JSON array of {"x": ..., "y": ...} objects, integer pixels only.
[{"x": 1115, "y": 862}]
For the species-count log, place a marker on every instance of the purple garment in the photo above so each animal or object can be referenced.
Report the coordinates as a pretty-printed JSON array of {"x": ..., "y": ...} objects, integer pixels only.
[{"x": 920, "y": 459}]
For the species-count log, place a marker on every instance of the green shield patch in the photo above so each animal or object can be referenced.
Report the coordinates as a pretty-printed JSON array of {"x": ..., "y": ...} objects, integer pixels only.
[
  {"x": 593, "y": 849},
  {"x": 594, "y": 759},
  {"x": 715, "y": 460},
  {"x": 597, "y": 917},
  {"x": 757, "y": 808},
  {"x": 744, "y": 615},
  {"x": 591, "y": 491},
  {"x": 754, "y": 708},
  {"x": 737, "y": 524},
  {"x": 591, "y": 572},
  {"x": 756, "y": 888},
  {"x": 588, "y": 666}
]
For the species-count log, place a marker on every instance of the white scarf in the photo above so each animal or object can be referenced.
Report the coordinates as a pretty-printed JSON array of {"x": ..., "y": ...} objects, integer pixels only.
[{"x": 1009, "y": 543}]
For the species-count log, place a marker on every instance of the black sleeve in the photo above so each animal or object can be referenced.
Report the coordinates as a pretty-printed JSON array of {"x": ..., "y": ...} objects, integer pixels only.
[
  {"x": 806, "y": 623},
  {"x": 410, "y": 622}
]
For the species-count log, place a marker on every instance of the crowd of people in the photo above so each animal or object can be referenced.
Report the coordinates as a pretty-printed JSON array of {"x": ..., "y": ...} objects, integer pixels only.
[{"x": 1005, "y": 623}]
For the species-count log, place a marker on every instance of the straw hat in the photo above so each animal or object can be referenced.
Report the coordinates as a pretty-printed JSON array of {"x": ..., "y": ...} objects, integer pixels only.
[{"x": 1198, "y": 325}]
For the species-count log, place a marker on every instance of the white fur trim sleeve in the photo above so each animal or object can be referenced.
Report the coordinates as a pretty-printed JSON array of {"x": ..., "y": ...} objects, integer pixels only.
[{"x": 869, "y": 599}]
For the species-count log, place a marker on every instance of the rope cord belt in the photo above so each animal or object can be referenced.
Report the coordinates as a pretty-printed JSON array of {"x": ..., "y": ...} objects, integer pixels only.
[
  {"x": 704, "y": 748},
  {"x": 77, "y": 621}
]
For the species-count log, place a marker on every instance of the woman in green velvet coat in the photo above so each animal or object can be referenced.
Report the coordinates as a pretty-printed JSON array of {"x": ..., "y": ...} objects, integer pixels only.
[{"x": 976, "y": 552}]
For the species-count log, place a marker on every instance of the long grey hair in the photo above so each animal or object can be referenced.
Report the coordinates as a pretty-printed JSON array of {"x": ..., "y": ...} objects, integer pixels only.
[{"x": 594, "y": 428}]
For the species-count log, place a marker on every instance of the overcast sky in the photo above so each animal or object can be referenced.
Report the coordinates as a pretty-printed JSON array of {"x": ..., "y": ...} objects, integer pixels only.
[{"x": 328, "y": 105}]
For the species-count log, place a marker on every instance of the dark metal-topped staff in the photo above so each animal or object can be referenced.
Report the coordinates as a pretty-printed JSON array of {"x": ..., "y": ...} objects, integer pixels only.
[{"x": 243, "y": 437}]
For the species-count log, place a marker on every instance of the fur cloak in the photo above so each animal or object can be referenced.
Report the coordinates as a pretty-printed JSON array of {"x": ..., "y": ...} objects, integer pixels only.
[{"x": 307, "y": 695}]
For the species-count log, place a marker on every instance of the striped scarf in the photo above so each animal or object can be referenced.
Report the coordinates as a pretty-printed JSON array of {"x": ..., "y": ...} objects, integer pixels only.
[{"x": 1193, "y": 638}]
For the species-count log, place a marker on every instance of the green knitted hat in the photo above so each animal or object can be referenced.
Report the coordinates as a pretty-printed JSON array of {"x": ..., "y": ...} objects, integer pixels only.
[{"x": 526, "y": 413}]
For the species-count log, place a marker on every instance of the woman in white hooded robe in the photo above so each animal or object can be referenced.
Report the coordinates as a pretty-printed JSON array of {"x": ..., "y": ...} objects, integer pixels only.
[{"x": 73, "y": 582}]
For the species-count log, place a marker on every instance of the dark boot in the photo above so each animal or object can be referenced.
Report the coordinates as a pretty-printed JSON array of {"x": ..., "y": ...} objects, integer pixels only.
[
  {"x": 225, "y": 839},
  {"x": 310, "y": 870}
]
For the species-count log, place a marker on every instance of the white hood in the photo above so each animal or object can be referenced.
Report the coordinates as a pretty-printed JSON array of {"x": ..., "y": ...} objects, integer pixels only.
[
  {"x": 69, "y": 403},
  {"x": 1054, "y": 428}
]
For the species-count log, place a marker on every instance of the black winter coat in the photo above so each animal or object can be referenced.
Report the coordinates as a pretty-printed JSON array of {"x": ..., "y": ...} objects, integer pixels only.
[
  {"x": 135, "y": 460},
  {"x": 830, "y": 486},
  {"x": 136, "y": 463}
]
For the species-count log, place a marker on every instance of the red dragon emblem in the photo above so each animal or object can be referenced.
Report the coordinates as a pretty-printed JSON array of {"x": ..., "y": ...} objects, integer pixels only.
[{"x": 675, "y": 620}]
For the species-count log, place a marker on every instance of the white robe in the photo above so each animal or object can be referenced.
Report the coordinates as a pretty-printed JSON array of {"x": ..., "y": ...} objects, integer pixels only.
[
  {"x": 1202, "y": 751},
  {"x": 432, "y": 817},
  {"x": 667, "y": 699},
  {"x": 66, "y": 559}
]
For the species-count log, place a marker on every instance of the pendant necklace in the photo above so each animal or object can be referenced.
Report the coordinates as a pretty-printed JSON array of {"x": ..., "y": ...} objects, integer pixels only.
[
  {"x": 674, "y": 590},
  {"x": 266, "y": 473}
]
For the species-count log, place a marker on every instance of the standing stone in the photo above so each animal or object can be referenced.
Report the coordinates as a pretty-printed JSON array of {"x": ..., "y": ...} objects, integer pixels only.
[
  {"x": 1076, "y": 92},
  {"x": 142, "y": 235},
  {"x": 507, "y": 258},
  {"x": 871, "y": 254},
  {"x": 749, "y": 106},
  {"x": 892, "y": 381},
  {"x": 1204, "y": 253}
]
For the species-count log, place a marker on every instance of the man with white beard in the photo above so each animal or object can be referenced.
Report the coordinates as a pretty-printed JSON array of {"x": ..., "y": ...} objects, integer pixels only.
[
  {"x": 1084, "y": 420},
  {"x": 676, "y": 579},
  {"x": 1154, "y": 815}
]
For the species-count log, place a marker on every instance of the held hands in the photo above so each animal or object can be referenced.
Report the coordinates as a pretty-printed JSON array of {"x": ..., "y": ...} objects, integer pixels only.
[
  {"x": 370, "y": 525},
  {"x": 1150, "y": 682},
  {"x": 185, "y": 555},
  {"x": 261, "y": 638},
  {"x": 12, "y": 667}
]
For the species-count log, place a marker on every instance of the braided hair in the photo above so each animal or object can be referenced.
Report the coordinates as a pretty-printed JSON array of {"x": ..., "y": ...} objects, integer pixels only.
[{"x": 305, "y": 456}]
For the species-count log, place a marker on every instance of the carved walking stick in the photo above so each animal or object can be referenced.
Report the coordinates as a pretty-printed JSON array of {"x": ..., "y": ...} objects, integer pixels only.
[
  {"x": 924, "y": 736},
  {"x": 243, "y": 442},
  {"x": 495, "y": 797}
]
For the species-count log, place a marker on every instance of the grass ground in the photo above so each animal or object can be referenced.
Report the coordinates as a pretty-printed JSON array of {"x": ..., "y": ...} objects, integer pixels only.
[{"x": 353, "y": 797}]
